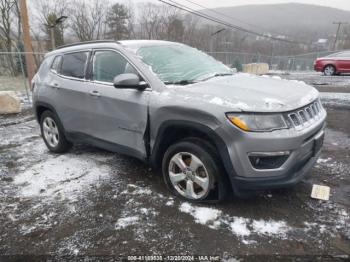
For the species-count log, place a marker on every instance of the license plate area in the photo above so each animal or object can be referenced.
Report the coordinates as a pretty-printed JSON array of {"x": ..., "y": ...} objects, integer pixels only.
[{"x": 318, "y": 143}]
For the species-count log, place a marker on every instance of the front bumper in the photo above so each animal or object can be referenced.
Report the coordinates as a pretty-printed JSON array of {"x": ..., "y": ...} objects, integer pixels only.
[
  {"x": 290, "y": 178},
  {"x": 318, "y": 68},
  {"x": 302, "y": 156}
]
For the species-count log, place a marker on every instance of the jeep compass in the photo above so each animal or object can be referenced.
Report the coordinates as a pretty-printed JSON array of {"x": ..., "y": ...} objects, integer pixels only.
[{"x": 208, "y": 130}]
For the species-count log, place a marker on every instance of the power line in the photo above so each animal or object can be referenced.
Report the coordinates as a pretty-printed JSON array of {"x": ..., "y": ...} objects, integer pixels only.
[
  {"x": 229, "y": 25},
  {"x": 231, "y": 18}
]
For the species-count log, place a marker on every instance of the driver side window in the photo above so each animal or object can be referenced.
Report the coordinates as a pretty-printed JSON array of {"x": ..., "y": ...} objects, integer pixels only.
[{"x": 109, "y": 64}]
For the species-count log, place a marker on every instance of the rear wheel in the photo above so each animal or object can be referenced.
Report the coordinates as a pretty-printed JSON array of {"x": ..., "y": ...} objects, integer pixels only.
[
  {"x": 53, "y": 134},
  {"x": 191, "y": 171},
  {"x": 329, "y": 70}
]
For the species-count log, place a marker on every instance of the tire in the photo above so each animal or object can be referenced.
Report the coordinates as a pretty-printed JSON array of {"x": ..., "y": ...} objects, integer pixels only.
[
  {"x": 53, "y": 133},
  {"x": 329, "y": 70},
  {"x": 199, "y": 165}
]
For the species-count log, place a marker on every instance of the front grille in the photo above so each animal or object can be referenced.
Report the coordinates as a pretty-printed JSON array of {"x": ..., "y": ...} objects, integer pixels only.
[{"x": 304, "y": 116}]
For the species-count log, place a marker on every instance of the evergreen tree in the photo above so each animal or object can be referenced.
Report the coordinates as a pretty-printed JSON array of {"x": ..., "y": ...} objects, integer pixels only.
[{"x": 117, "y": 19}]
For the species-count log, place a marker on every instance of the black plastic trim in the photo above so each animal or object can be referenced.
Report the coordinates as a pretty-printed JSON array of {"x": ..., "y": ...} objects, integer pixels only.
[
  {"x": 109, "y": 146},
  {"x": 43, "y": 104},
  {"x": 218, "y": 141}
]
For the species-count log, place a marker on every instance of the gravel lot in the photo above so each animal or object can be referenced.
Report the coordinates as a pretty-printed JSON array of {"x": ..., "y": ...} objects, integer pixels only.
[{"x": 95, "y": 203}]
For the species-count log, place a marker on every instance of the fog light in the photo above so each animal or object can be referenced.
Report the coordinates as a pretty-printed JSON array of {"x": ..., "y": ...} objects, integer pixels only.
[{"x": 268, "y": 160}]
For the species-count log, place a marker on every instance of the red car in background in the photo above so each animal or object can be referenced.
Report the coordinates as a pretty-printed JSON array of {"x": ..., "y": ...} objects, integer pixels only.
[{"x": 333, "y": 64}]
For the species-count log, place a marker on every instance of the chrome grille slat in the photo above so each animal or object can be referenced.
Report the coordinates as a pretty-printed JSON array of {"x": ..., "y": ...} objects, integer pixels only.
[
  {"x": 302, "y": 116},
  {"x": 305, "y": 116},
  {"x": 313, "y": 109},
  {"x": 309, "y": 113}
]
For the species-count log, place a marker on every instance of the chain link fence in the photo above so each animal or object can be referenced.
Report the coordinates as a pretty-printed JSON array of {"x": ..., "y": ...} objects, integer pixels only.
[
  {"x": 13, "y": 75},
  {"x": 13, "y": 69},
  {"x": 303, "y": 62}
]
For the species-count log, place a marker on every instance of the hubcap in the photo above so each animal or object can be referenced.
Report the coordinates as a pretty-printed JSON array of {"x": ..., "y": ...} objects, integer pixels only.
[
  {"x": 50, "y": 132},
  {"x": 188, "y": 175},
  {"x": 329, "y": 70}
]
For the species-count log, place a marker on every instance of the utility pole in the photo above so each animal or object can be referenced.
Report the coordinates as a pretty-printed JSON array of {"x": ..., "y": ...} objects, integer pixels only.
[
  {"x": 337, "y": 34},
  {"x": 27, "y": 41},
  {"x": 52, "y": 33}
]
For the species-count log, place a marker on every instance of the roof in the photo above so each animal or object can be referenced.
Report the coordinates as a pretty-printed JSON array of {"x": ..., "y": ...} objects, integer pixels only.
[
  {"x": 132, "y": 44},
  {"x": 86, "y": 45},
  {"x": 135, "y": 44},
  {"x": 87, "y": 42}
]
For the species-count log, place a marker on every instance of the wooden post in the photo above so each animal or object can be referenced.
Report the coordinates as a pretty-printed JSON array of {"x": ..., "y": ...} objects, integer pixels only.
[{"x": 30, "y": 65}]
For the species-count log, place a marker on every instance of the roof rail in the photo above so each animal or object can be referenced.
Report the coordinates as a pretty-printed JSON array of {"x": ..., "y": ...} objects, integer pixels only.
[{"x": 87, "y": 42}]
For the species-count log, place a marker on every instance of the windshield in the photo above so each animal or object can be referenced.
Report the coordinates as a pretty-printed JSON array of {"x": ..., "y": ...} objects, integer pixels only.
[{"x": 181, "y": 64}]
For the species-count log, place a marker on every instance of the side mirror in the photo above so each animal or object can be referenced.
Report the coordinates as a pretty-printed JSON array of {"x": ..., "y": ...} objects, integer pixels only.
[{"x": 129, "y": 81}]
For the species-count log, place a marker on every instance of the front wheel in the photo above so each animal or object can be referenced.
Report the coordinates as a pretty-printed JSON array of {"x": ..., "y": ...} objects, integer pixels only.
[
  {"x": 53, "y": 134},
  {"x": 191, "y": 171},
  {"x": 329, "y": 70}
]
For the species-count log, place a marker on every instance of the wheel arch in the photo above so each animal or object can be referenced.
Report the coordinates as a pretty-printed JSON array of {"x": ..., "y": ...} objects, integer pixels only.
[
  {"x": 329, "y": 64},
  {"x": 40, "y": 107},
  {"x": 176, "y": 130}
]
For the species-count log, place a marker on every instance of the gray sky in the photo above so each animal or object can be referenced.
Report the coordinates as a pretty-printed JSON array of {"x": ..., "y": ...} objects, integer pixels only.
[{"x": 341, "y": 4}]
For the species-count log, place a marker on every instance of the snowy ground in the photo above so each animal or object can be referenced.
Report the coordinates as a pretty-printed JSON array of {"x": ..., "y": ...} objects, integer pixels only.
[
  {"x": 96, "y": 203},
  {"x": 338, "y": 83}
]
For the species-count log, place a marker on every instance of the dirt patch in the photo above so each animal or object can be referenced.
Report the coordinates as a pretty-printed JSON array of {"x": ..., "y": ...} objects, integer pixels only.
[{"x": 96, "y": 203}]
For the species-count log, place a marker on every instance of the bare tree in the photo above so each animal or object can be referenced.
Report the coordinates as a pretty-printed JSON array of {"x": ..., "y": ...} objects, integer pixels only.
[
  {"x": 160, "y": 22},
  {"x": 131, "y": 20},
  {"x": 88, "y": 20},
  {"x": 7, "y": 18},
  {"x": 46, "y": 12},
  {"x": 191, "y": 27},
  {"x": 175, "y": 30},
  {"x": 150, "y": 20},
  {"x": 172, "y": 27}
]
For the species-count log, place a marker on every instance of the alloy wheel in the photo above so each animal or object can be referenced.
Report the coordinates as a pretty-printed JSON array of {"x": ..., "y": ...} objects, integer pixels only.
[
  {"x": 51, "y": 134},
  {"x": 188, "y": 175},
  {"x": 329, "y": 70}
]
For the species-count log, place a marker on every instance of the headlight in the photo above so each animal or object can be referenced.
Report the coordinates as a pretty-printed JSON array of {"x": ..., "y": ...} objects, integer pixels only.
[{"x": 257, "y": 122}]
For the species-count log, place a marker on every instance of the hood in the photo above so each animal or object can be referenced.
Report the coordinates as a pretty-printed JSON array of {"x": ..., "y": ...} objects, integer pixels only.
[
  {"x": 251, "y": 93},
  {"x": 327, "y": 58}
]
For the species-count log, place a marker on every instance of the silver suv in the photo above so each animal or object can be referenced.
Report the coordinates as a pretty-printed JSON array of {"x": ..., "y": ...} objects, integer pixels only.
[{"x": 207, "y": 129}]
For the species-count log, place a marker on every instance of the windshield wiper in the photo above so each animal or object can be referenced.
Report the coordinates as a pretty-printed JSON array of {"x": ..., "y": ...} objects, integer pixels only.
[
  {"x": 187, "y": 82},
  {"x": 216, "y": 75},
  {"x": 181, "y": 82}
]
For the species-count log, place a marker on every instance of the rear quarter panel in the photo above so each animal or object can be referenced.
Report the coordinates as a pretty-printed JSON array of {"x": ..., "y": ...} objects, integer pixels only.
[{"x": 42, "y": 92}]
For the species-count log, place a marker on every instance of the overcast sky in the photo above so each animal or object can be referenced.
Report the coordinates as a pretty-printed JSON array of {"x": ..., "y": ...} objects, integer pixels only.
[{"x": 341, "y": 4}]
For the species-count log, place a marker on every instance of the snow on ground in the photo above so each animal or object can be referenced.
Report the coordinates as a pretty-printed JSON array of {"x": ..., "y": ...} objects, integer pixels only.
[
  {"x": 315, "y": 78},
  {"x": 64, "y": 176},
  {"x": 136, "y": 190},
  {"x": 43, "y": 181},
  {"x": 338, "y": 99},
  {"x": 49, "y": 179},
  {"x": 239, "y": 226},
  {"x": 202, "y": 215},
  {"x": 334, "y": 167},
  {"x": 126, "y": 221}
]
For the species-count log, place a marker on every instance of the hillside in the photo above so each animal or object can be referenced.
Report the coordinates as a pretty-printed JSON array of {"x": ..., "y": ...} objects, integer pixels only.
[{"x": 291, "y": 18}]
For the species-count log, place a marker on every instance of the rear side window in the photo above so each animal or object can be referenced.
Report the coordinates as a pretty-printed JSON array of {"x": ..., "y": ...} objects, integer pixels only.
[
  {"x": 73, "y": 64},
  {"x": 109, "y": 64},
  {"x": 56, "y": 64}
]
